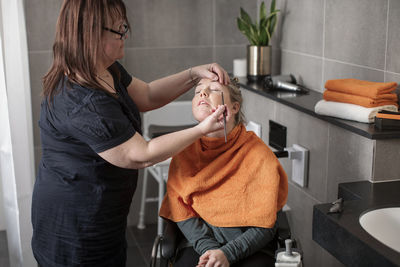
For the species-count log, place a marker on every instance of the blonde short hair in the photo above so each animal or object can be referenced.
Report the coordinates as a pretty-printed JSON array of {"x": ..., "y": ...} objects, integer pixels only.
[{"x": 236, "y": 96}]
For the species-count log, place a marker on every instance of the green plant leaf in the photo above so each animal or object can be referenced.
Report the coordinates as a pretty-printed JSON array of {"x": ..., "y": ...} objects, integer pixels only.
[
  {"x": 272, "y": 25},
  {"x": 245, "y": 17},
  {"x": 254, "y": 34},
  {"x": 263, "y": 11},
  {"x": 260, "y": 32},
  {"x": 247, "y": 30},
  {"x": 272, "y": 7},
  {"x": 244, "y": 28}
]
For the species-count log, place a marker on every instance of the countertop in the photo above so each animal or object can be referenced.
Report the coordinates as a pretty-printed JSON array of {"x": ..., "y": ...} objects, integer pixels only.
[
  {"x": 306, "y": 103},
  {"x": 341, "y": 233}
]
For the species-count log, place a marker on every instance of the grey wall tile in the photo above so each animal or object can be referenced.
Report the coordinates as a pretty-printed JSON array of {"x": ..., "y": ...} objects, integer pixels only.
[
  {"x": 339, "y": 70},
  {"x": 278, "y": 34},
  {"x": 302, "y": 26},
  {"x": 276, "y": 63},
  {"x": 41, "y": 18},
  {"x": 386, "y": 153},
  {"x": 225, "y": 55},
  {"x": 392, "y": 77},
  {"x": 350, "y": 158},
  {"x": 39, "y": 64},
  {"x": 150, "y": 64},
  {"x": 226, "y": 12},
  {"x": 393, "y": 48},
  {"x": 312, "y": 134},
  {"x": 170, "y": 23},
  {"x": 260, "y": 110},
  {"x": 307, "y": 68},
  {"x": 355, "y": 31}
]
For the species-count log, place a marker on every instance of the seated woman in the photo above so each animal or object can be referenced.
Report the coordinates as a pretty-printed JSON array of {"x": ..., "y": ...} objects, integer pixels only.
[{"x": 224, "y": 196}]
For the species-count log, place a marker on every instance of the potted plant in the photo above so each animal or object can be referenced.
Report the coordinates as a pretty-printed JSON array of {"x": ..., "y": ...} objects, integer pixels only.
[{"x": 259, "y": 35}]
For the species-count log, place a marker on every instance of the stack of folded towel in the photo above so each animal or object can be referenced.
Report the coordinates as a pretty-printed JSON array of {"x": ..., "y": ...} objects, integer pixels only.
[{"x": 357, "y": 100}]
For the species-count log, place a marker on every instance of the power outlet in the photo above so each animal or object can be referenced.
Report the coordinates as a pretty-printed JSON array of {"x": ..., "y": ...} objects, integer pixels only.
[{"x": 277, "y": 135}]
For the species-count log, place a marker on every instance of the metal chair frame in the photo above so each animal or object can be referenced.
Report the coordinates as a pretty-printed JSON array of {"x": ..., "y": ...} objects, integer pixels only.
[{"x": 175, "y": 114}]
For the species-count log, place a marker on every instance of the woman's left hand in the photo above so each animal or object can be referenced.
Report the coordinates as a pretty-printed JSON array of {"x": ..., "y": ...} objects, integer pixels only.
[
  {"x": 213, "y": 258},
  {"x": 212, "y": 71}
]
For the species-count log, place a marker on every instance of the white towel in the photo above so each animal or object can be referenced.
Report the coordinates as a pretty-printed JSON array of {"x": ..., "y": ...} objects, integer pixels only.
[{"x": 350, "y": 111}]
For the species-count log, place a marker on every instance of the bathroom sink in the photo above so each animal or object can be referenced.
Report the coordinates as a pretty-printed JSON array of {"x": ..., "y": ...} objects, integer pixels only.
[{"x": 384, "y": 225}]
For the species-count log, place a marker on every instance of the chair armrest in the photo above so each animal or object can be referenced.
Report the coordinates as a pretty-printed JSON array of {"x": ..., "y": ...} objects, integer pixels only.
[{"x": 171, "y": 238}]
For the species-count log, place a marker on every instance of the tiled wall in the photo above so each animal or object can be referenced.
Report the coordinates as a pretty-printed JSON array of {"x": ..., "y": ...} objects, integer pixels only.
[
  {"x": 333, "y": 39},
  {"x": 316, "y": 40}
]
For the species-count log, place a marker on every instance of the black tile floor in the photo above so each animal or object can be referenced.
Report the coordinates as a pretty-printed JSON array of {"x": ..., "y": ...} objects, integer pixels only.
[{"x": 140, "y": 243}]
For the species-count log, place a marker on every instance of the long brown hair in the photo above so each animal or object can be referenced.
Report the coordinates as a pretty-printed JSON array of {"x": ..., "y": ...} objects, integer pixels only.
[{"x": 78, "y": 41}]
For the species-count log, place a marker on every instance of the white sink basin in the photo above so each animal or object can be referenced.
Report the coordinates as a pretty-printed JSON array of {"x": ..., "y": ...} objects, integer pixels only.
[{"x": 384, "y": 225}]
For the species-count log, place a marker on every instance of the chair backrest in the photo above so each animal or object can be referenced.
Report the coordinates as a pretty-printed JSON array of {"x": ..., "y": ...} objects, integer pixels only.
[{"x": 176, "y": 113}]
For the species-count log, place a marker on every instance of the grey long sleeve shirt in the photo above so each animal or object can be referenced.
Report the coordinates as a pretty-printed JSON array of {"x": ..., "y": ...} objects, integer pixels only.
[{"x": 236, "y": 242}]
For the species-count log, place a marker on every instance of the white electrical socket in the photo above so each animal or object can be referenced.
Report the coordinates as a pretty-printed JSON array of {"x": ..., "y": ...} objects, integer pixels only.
[{"x": 299, "y": 156}]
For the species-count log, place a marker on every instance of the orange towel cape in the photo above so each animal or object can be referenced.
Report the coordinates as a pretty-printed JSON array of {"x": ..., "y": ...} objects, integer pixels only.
[
  {"x": 233, "y": 184},
  {"x": 384, "y": 99},
  {"x": 360, "y": 87}
]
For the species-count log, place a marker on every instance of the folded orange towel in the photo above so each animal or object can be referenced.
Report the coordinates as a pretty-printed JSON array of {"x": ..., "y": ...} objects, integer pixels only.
[
  {"x": 384, "y": 99},
  {"x": 360, "y": 87},
  {"x": 233, "y": 184},
  {"x": 388, "y": 116}
]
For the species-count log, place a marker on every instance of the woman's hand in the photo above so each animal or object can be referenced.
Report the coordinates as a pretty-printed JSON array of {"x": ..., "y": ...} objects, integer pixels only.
[
  {"x": 214, "y": 121},
  {"x": 213, "y": 258},
  {"x": 211, "y": 71}
]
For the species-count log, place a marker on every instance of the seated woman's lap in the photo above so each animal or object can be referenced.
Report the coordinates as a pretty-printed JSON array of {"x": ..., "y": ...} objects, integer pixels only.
[{"x": 188, "y": 257}]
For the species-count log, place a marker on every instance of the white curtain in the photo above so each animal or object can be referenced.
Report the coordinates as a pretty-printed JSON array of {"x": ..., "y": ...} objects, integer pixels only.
[{"x": 16, "y": 135}]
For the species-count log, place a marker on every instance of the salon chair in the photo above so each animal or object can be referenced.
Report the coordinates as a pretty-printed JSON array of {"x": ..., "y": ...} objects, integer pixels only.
[{"x": 165, "y": 245}]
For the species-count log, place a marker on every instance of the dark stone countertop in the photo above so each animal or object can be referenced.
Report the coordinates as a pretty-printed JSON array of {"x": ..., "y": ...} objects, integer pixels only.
[
  {"x": 306, "y": 103},
  {"x": 341, "y": 233}
]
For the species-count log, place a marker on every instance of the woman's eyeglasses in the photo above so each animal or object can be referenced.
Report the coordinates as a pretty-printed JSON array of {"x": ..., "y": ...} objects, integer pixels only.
[{"x": 123, "y": 30}]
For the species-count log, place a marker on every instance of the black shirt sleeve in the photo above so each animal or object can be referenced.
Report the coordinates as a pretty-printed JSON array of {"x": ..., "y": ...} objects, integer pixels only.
[
  {"x": 126, "y": 78},
  {"x": 100, "y": 122}
]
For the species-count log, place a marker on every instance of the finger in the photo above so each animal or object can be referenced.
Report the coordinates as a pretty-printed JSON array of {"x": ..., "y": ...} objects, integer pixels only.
[
  {"x": 227, "y": 79},
  {"x": 211, "y": 73},
  {"x": 210, "y": 263},
  {"x": 224, "y": 112},
  {"x": 220, "y": 73},
  {"x": 202, "y": 262},
  {"x": 203, "y": 258}
]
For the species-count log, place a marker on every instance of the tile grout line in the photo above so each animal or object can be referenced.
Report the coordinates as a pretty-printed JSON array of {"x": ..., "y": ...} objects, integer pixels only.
[
  {"x": 333, "y": 60},
  {"x": 323, "y": 46},
  {"x": 214, "y": 53},
  {"x": 387, "y": 37}
]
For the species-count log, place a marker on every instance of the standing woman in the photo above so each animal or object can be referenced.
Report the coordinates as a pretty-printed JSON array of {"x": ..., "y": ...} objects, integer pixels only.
[{"x": 91, "y": 139}]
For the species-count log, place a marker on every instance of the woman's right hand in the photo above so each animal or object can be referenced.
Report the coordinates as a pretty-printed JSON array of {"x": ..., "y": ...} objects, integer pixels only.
[{"x": 214, "y": 121}]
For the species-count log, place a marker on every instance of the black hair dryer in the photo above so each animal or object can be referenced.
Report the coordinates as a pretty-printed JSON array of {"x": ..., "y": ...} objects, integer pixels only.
[{"x": 284, "y": 83}]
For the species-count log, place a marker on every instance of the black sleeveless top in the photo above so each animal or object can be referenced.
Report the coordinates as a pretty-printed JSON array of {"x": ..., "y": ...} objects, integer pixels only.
[{"x": 80, "y": 202}]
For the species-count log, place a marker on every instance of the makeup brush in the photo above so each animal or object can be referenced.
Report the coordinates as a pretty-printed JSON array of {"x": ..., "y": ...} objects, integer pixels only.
[{"x": 222, "y": 96}]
